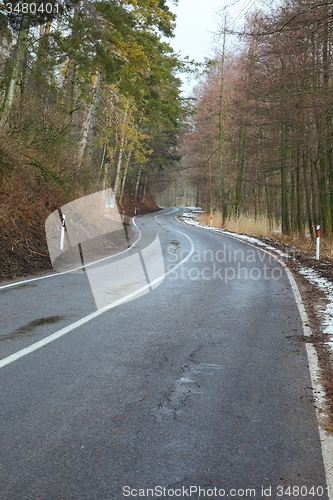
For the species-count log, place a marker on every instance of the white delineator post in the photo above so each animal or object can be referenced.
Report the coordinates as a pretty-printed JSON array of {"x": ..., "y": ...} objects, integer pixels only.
[
  {"x": 318, "y": 242},
  {"x": 62, "y": 236}
]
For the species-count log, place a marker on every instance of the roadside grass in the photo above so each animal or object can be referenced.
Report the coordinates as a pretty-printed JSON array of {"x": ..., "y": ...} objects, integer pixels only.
[{"x": 261, "y": 227}]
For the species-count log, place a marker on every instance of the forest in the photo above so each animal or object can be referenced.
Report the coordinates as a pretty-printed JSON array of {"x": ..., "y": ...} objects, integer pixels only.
[
  {"x": 261, "y": 141},
  {"x": 89, "y": 94},
  {"x": 89, "y": 98}
]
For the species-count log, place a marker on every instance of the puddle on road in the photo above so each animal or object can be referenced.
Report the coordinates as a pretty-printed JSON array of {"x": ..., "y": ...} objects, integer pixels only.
[{"x": 31, "y": 327}]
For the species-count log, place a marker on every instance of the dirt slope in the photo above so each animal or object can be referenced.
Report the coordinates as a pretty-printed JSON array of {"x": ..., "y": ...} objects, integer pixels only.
[{"x": 23, "y": 246}]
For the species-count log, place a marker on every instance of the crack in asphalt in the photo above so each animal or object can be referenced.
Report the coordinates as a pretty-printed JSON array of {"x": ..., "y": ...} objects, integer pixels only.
[{"x": 173, "y": 402}]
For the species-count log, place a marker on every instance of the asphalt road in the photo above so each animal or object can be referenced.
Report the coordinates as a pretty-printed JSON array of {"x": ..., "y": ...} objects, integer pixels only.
[{"x": 194, "y": 384}]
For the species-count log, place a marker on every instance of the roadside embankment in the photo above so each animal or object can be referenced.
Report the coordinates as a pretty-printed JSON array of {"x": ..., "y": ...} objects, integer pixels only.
[{"x": 23, "y": 246}]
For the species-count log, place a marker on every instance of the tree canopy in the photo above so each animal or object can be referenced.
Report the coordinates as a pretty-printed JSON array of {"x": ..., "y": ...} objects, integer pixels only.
[
  {"x": 277, "y": 120},
  {"x": 94, "y": 83}
]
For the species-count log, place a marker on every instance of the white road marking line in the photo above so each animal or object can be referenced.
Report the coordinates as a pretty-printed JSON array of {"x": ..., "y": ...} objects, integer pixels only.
[
  {"x": 326, "y": 439},
  {"x": 158, "y": 222},
  {"x": 60, "y": 333},
  {"x": 55, "y": 275}
]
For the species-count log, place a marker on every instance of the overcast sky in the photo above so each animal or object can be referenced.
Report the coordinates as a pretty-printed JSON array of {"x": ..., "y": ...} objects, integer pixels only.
[{"x": 198, "y": 23}]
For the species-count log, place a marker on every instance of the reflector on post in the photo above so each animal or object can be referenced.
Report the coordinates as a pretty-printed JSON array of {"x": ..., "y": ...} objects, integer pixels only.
[{"x": 94, "y": 240}]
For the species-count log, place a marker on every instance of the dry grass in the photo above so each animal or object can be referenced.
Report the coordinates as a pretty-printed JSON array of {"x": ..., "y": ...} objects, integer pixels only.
[
  {"x": 260, "y": 228},
  {"x": 245, "y": 224}
]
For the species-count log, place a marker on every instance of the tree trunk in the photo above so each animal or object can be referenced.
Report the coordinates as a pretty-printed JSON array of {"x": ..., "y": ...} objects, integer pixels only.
[
  {"x": 69, "y": 88},
  {"x": 137, "y": 184},
  {"x": 284, "y": 185},
  {"x": 307, "y": 196},
  {"x": 293, "y": 203},
  {"x": 117, "y": 179},
  {"x": 95, "y": 106},
  {"x": 221, "y": 128},
  {"x": 299, "y": 195},
  {"x": 18, "y": 58},
  {"x": 144, "y": 190},
  {"x": 123, "y": 180},
  {"x": 89, "y": 119},
  {"x": 101, "y": 173}
]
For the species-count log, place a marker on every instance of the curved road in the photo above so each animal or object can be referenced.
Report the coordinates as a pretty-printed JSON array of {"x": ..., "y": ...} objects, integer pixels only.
[{"x": 192, "y": 390}]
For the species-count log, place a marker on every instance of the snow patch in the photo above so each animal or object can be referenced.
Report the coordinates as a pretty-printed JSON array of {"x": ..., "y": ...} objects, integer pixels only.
[{"x": 327, "y": 288}]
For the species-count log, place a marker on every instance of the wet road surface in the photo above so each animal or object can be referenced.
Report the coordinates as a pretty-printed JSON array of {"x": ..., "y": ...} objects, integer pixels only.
[{"x": 192, "y": 390}]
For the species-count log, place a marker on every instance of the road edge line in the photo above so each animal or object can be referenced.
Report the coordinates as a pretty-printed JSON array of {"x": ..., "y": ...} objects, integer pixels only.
[
  {"x": 326, "y": 439},
  {"x": 56, "y": 274}
]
